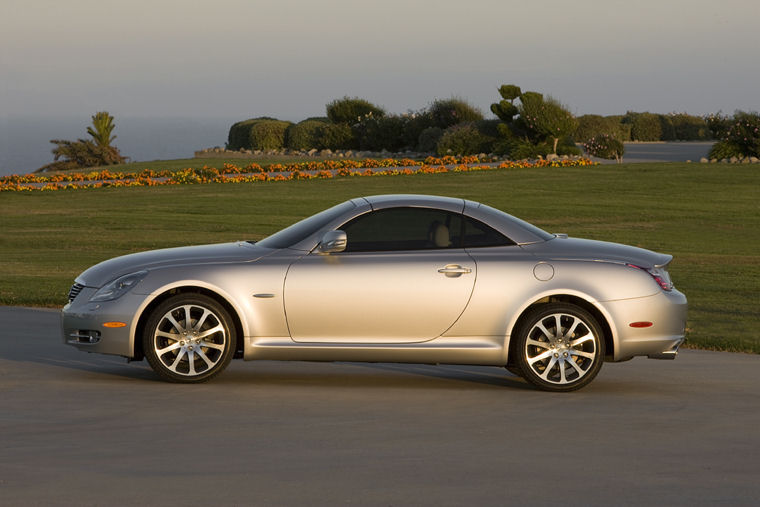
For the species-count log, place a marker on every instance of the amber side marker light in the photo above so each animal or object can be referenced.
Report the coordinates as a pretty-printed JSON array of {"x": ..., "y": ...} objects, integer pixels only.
[
  {"x": 114, "y": 324},
  {"x": 640, "y": 324}
]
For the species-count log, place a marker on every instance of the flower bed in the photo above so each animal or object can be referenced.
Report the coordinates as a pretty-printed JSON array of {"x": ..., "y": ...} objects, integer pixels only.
[{"x": 230, "y": 173}]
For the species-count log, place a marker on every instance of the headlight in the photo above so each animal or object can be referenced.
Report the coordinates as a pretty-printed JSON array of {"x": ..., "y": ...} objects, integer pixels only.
[{"x": 118, "y": 287}]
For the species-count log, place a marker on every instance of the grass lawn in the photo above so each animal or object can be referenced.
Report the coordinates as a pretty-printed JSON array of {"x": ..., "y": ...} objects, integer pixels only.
[{"x": 706, "y": 215}]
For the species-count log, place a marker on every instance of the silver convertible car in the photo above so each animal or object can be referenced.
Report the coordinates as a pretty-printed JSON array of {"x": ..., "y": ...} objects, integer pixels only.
[{"x": 388, "y": 278}]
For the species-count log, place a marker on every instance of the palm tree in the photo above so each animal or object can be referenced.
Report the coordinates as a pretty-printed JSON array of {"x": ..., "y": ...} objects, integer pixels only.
[{"x": 103, "y": 123}]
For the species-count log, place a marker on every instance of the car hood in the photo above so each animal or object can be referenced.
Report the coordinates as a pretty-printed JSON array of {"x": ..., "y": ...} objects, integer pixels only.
[
  {"x": 564, "y": 248},
  {"x": 100, "y": 274}
]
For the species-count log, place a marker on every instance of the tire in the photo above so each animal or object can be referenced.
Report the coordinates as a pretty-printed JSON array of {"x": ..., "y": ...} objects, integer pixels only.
[
  {"x": 189, "y": 338},
  {"x": 563, "y": 361}
]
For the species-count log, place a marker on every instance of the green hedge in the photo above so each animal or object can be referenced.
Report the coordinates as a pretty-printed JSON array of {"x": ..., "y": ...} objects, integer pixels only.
[
  {"x": 305, "y": 135},
  {"x": 448, "y": 112},
  {"x": 593, "y": 125},
  {"x": 644, "y": 126},
  {"x": 464, "y": 139},
  {"x": 258, "y": 134},
  {"x": 351, "y": 109}
]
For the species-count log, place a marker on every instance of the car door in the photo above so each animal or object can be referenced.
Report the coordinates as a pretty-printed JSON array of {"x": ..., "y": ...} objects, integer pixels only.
[{"x": 402, "y": 279}]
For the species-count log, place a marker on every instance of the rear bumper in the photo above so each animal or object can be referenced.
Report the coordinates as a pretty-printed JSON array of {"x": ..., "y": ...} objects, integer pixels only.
[{"x": 666, "y": 311}]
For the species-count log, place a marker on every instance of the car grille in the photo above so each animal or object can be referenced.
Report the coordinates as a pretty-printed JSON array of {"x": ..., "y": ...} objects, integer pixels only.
[{"x": 74, "y": 291}]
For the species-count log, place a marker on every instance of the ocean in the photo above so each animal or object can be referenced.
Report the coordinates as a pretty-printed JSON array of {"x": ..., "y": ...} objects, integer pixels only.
[{"x": 25, "y": 142}]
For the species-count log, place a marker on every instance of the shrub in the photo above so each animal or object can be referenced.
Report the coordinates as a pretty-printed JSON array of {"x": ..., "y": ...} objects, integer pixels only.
[
  {"x": 505, "y": 109},
  {"x": 240, "y": 133},
  {"x": 546, "y": 118},
  {"x": 738, "y": 136},
  {"x": 380, "y": 133},
  {"x": 464, "y": 139},
  {"x": 519, "y": 149},
  {"x": 305, "y": 135},
  {"x": 592, "y": 125},
  {"x": 85, "y": 152},
  {"x": 624, "y": 128},
  {"x": 644, "y": 126},
  {"x": 415, "y": 122},
  {"x": 428, "y": 139},
  {"x": 568, "y": 147},
  {"x": 337, "y": 137},
  {"x": 489, "y": 128},
  {"x": 351, "y": 109},
  {"x": 605, "y": 146},
  {"x": 323, "y": 119},
  {"x": 268, "y": 135},
  {"x": 689, "y": 128},
  {"x": 668, "y": 131},
  {"x": 448, "y": 112},
  {"x": 725, "y": 149},
  {"x": 718, "y": 124}
]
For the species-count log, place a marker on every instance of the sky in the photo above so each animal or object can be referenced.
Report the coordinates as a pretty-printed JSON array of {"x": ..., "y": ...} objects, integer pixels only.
[{"x": 287, "y": 59}]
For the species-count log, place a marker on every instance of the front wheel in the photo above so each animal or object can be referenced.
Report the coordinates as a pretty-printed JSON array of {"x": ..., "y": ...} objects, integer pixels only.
[
  {"x": 189, "y": 338},
  {"x": 560, "y": 347}
]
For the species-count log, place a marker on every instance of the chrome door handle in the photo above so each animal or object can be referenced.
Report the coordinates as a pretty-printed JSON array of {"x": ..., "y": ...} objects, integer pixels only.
[{"x": 452, "y": 270}]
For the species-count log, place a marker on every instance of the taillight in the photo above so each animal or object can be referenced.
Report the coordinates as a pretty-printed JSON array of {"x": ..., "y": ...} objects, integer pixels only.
[{"x": 660, "y": 275}]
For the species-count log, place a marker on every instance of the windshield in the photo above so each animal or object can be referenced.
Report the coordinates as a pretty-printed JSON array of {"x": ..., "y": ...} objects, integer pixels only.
[{"x": 305, "y": 228}]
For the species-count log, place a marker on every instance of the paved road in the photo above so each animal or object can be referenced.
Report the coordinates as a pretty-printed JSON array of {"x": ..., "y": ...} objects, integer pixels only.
[
  {"x": 666, "y": 152},
  {"x": 79, "y": 429}
]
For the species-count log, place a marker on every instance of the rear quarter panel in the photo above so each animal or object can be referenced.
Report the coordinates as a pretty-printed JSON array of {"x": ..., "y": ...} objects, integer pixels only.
[{"x": 506, "y": 287}]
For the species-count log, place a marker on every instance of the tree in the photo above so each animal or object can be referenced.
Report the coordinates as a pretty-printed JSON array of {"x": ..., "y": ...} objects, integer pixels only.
[
  {"x": 547, "y": 118},
  {"x": 534, "y": 121},
  {"x": 605, "y": 146},
  {"x": 351, "y": 109},
  {"x": 103, "y": 126},
  {"x": 84, "y": 152}
]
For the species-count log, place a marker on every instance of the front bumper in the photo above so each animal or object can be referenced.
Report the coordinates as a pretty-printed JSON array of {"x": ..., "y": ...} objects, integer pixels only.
[
  {"x": 666, "y": 311},
  {"x": 82, "y": 323}
]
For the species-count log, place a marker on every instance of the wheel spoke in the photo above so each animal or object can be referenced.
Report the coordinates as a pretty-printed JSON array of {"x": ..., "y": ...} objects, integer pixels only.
[
  {"x": 558, "y": 326},
  {"x": 587, "y": 355},
  {"x": 582, "y": 339},
  {"x": 200, "y": 322},
  {"x": 562, "y": 378},
  {"x": 536, "y": 343},
  {"x": 173, "y": 322},
  {"x": 577, "y": 367},
  {"x": 191, "y": 362},
  {"x": 209, "y": 363},
  {"x": 173, "y": 346},
  {"x": 212, "y": 345},
  {"x": 548, "y": 369},
  {"x": 177, "y": 359},
  {"x": 539, "y": 357},
  {"x": 188, "y": 319},
  {"x": 571, "y": 330},
  {"x": 211, "y": 331},
  {"x": 171, "y": 336},
  {"x": 546, "y": 332}
]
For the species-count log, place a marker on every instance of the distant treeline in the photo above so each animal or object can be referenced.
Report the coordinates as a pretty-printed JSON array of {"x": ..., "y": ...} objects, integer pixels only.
[
  {"x": 528, "y": 125},
  {"x": 634, "y": 126}
]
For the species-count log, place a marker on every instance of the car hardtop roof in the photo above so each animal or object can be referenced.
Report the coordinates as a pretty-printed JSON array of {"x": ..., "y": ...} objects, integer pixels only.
[{"x": 395, "y": 200}]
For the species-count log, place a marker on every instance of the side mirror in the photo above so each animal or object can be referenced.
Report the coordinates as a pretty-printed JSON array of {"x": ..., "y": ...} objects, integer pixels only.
[{"x": 333, "y": 241}]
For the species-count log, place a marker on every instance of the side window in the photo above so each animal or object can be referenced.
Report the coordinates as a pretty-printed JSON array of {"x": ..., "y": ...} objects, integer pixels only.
[
  {"x": 478, "y": 234},
  {"x": 403, "y": 229}
]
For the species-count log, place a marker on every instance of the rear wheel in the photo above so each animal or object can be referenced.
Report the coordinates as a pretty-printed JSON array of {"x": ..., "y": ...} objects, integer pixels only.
[
  {"x": 189, "y": 338},
  {"x": 560, "y": 347}
]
